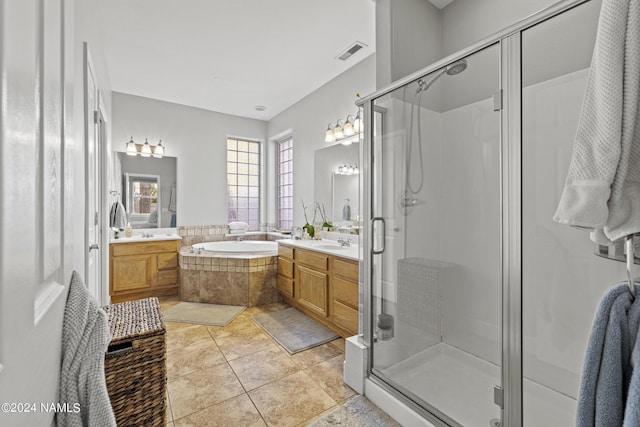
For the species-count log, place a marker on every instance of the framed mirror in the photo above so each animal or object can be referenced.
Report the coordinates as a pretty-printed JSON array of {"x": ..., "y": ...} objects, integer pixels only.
[{"x": 333, "y": 183}]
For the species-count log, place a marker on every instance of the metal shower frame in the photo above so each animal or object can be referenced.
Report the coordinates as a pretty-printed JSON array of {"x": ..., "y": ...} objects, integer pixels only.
[{"x": 509, "y": 41}]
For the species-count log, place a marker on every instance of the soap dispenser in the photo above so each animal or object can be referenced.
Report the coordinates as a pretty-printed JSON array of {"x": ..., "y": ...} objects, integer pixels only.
[
  {"x": 128, "y": 231},
  {"x": 346, "y": 211}
]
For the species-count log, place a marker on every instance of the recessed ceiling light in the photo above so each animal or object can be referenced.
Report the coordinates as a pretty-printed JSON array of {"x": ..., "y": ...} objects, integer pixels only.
[{"x": 260, "y": 107}]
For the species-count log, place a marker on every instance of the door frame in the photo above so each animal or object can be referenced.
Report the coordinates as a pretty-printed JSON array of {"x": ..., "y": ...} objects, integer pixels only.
[{"x": 92, "y": 124}]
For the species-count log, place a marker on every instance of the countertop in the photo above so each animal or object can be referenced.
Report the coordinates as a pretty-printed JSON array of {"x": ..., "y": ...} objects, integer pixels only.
[
  {"x": 139, "y": 238},
  {"x": 330, "y": 247}
]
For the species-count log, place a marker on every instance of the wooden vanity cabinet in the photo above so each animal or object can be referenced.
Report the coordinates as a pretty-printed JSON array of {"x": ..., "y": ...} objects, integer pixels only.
[
  {"x": 143, "y": 269},
  {"x": 324, "y": 287},
  {"x": 285, "y": 271},
  {"x": 312, "y": 281},
  {"x": 344, "y": 294}
]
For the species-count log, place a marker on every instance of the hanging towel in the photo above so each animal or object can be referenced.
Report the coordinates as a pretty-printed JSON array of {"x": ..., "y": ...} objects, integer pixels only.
[
  {"x": 607, "y": 365},
  {"x": 118, "y": 216},
  {"x": 602, "y": 188},
  {"x": 632, "y": 407},
  {"x": 85, "y": 337},
  {"x": 172, "y": 199}
]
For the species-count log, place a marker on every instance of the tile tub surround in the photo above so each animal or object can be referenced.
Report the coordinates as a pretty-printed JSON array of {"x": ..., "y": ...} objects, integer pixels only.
[
  {"x": 214, "y": 279},
  {"x": 194, "y": 234}
]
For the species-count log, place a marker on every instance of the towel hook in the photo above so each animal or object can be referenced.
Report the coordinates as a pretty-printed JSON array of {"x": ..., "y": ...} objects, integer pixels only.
[{"x": 630, "y": 257}]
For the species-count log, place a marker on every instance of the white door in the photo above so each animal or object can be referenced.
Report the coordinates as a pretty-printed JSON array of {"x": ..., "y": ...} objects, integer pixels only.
[
  {"x": 36, "y": 203},
  {"x": 92, "y": 182}
]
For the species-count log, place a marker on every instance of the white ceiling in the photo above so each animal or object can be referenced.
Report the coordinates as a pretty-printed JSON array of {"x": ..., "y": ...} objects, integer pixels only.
[{"x": 231, "y": 55}]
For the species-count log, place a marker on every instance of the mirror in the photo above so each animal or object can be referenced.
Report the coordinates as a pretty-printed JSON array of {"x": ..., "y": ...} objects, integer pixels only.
[
  {"x": 147, "y": 186},
  {"x": 332, "y": 188}
]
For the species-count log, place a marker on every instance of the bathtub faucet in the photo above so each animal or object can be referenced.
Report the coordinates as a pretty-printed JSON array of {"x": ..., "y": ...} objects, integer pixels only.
[{"x": 240, "y": 239}]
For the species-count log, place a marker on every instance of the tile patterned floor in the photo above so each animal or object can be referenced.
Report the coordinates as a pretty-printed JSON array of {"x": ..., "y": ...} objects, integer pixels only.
[{"x": 238, "y": 375}]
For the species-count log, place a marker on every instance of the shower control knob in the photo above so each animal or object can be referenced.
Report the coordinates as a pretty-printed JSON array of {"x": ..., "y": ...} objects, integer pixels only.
[{"x": 396, "y": 228}]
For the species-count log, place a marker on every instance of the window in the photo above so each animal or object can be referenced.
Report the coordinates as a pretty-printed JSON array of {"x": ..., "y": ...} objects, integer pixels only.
[
  {"x": 142, "y": 197},
  {"x": 285, "y": 184},
  {"x": 243, "y": 182}
]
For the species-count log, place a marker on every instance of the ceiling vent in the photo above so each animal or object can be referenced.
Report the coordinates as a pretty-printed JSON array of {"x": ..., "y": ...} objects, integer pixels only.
[{"x": 345, "y": 54}]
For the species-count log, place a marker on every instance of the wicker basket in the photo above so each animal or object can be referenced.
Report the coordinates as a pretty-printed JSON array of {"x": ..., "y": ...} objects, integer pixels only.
[{"x": 135, "y": 366}]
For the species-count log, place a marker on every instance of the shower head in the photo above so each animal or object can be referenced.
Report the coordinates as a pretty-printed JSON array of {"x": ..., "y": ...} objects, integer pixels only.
[
  {"x": 456, "y": 67},
  {"x": 450, "y": 70}
]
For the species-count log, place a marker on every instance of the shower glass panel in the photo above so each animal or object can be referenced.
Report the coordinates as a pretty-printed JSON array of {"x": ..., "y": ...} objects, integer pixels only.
[
  {"x": 437, "y": 272},
  {"x": 563, "y": 280}
]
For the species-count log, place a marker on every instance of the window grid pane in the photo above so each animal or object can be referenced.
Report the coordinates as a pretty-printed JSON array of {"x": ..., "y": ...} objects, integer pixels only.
[
  {"x": 243, "y": 182},
  {"x": 285, "y": 184}
]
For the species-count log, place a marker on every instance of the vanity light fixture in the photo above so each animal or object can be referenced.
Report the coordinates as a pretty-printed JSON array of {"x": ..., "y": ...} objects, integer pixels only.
[
  {"x": 344, "y": 130},
  {"x": 337, "y": 131},
  {"x": 145, "y": 150},
  {"x": 158, "y": 150},
  {"x": 329, "y": 137},
  {"x": 348, "y": 129},
  {"x": 357, "y": 123},
  {"x": 347, "y": 169},
  {"x": 131, "y": 148}
]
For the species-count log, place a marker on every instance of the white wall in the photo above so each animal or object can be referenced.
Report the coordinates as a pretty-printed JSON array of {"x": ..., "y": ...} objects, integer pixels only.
[
  {"x": 307, "y": 122},
  {"x": 197, "y": 138},
  {"x": 408, "y": 38}
]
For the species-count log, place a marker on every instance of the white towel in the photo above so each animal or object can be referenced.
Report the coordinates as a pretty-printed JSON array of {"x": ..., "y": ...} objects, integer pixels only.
[
  {"x": 118, "y": 216},
  {"x": 602, "y": 189},
  {"x": 172, "y": 199},
  {"x": 85, "y": 337},
  {"x": 238, "y": 225}
]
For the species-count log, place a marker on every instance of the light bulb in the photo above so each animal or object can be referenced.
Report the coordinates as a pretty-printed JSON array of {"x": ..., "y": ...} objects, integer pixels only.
[
  {"x": 329, "y": 136},
  {"x": 337, "y": 131},
  {"x": 158, "y": 150},
  {"x": 131, "y": 148},
  {"x": 356, "y": 170},
  {"x": 357, "y": 123},
  {"x": 146, "y": 149},
  {"x": 350, "y": 170},
  {"x": 347, "y": 129}
]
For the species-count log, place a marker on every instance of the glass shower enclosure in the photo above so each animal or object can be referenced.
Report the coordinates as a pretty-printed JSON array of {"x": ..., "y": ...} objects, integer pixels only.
[{"x": 464, "y": 163}]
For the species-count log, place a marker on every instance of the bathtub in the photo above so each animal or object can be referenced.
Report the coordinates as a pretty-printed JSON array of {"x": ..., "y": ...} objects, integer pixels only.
[
  {"x": 230, "y": 273},
  {"x": 245, "y": 247}
]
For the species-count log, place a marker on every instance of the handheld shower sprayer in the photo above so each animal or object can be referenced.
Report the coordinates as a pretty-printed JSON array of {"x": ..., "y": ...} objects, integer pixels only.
[{"x": 450, "y": 70}]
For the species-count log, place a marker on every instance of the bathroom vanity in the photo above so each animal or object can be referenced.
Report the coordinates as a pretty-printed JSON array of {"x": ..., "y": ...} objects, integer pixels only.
[
  {"x": 320, "y": 278},
  {"x": 142, "y": 267}
]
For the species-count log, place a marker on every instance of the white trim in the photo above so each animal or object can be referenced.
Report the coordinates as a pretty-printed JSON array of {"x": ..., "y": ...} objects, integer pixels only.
[{"x": 45, "y": 298}]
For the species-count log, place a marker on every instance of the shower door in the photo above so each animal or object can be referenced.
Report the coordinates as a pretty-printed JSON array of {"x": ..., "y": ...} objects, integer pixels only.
[{"x": 436, "y": 324}]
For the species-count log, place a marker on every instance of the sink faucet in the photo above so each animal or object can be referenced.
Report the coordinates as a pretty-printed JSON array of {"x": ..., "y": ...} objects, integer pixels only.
[{"x": 344, "y": 242}]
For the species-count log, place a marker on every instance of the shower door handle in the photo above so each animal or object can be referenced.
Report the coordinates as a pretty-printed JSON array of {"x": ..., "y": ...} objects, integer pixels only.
[{"x": 375, "y": 251}]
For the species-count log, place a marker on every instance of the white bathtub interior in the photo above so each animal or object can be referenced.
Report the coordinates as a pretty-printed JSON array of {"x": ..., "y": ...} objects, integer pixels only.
[
  {"x": 237, "y": 247},
  {"x": 446, "y": 350}
]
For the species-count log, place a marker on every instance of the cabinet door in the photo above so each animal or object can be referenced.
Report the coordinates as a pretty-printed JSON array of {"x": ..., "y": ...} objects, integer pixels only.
[
  {"x": 133, "y": 272},
  {"x": 312, "y": 289}
]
